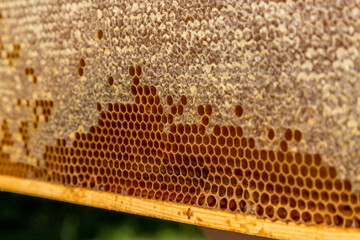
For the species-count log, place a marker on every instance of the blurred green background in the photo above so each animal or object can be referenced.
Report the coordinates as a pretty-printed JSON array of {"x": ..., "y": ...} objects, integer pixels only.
[{"x": 25, "y": 217}]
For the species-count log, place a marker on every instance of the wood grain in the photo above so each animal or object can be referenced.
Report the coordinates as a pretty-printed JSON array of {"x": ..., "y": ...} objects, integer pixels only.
[{"x": 174, "y": 212}]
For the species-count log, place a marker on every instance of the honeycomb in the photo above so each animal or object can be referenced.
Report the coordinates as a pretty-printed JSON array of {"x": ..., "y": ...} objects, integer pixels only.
[
  {"x": 245, "y": 107},
  {"x": 128, "y": 152}
]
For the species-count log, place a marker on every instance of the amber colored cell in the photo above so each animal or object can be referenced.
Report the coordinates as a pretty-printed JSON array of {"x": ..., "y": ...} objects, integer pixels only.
[
  {"x": 208, "y": 110},
  {"x": 201, "y": 110},
  {"x": 183, "y": 100},
  {"x": 100, "y": 34},
  {"x": 282, "y": 213},
  {"x": 338, "y": 220},
  {"x": 251, "y": 143},
  {"x": 345, "y": 210},
  {"x": 223, "y": 203},
  {"x": 170, "y": 119},
  {"x": 283, "y": 146},
  {"x": 271, "y": 134},
  {"x": 243, "y": 206},
  {"x": 180, "y": 109},
  {"x": 297, "y": 135},
  {"x": 269, "y": 211},
  {"x": 169, "y": 100},
  {"x": 347, "y": 185},
  {"x": 82, "y": 62},
  {"x": 138, "y": 70},
  {"x": 98, "y": 106},
  {"x": 211, "y": 201},
  {"x": 205, "y": 120},
  {"x": 173, "y": 109},
  {"x": 259, "y": 210},
  {"x": 239, "y": 111},
  {"x": 80, "y": 71},
  {"x": 317, "y": 159},
  {"x": 288, "y": 135},
  {"x": 131, "y": 71},
  {"x": 110, "y": 80},
  {"x": 306, "y": 217},
  {"x": 232, "y": 205},
  {"x": 332, "y": 172},
  {"x": 294, "y": 215}
]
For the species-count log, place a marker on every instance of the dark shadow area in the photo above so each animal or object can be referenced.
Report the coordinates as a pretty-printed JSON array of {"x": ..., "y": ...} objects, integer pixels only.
[
  {"x": 25, "y": 217},
  {"x": 215, "y": 234}
]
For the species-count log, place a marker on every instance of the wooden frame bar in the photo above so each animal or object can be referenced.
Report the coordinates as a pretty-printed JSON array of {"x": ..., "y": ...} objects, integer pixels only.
[{"x": 174, "y": 211}]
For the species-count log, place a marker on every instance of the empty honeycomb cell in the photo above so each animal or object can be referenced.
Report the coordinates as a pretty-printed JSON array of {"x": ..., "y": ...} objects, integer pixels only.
[
  {"x": 345, "y": 210},
  {"x": 282, "y": 213},
  {"x": 223, "y": 203},
  {"x": 269, "y": 210},
  {"x": 338, "y": 221},
  {"x": 306, "y": 217},
  {"x": 357, "y": 223},
  {"x": 264, "y": 198},
  {"x": 348, "y": 223},
  {"x": 294, "y": 215},
  {"x": 211, "y": 201},
  {"x": 259, "y": 210},
  {"x": 243, "y": 206}
]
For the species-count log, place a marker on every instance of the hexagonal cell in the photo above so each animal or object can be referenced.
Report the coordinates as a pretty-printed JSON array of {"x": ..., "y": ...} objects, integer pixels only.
[
  {"x": 239, "y": 111},
  {"x": 138, "y": 70},
  {"x": 288, "y": 135},
  {"x": 82, "y": 62},
  {"x": 80, "y": 71},
  {"x": 271, "y": 134},
  {"x": 100, "y": 34},
  {"x": 110, "y": 80}
]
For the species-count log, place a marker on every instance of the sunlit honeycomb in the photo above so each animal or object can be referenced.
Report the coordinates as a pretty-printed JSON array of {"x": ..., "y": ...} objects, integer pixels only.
[
  {"x": 206, "y": 63},
  {"x": 128, "y": 152}
]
